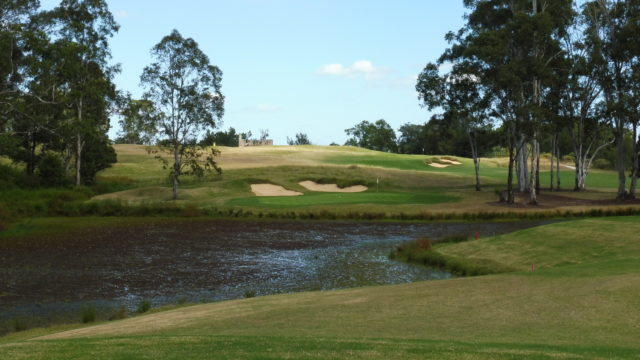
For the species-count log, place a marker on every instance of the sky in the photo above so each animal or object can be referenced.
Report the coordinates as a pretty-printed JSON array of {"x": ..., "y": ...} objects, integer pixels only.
[{"x": 312, "y": 66}]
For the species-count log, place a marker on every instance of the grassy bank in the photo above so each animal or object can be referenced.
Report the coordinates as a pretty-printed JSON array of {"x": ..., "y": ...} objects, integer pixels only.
[{"x": 581, "y": 302}]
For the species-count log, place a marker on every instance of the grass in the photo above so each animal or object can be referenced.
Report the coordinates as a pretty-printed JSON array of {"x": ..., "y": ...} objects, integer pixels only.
[
  {"x": 397, "y": 183},
  {"x": 384, "y": 198},
  {"x": 581, "y": 303}
]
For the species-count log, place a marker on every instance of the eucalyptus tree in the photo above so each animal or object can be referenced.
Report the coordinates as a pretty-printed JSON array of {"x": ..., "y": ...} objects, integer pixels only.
[
  {"x": 137, "y": 123},
  {"x": 611, "y": 28},
  {"x": 461, "y": 96},
  {"x": 15, "y": 17},
  {"x": 375, "y": 136},
  {"x": 186, "y": 92},
  {"x": 580, "y": 107},
  {"x": 513, "y": 43},
  {"x": 81, "y": 30}
]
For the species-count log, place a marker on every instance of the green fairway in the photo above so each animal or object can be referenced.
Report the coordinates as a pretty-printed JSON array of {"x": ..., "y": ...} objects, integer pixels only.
[
  {"x": 582, "y": 302},
  {"x": 397, "y": 183},
  {"x": 383, "y": 198}
]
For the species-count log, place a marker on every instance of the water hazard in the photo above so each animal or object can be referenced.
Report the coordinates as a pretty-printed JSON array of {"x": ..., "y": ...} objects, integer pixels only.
[{"x": 210, "y": 261}]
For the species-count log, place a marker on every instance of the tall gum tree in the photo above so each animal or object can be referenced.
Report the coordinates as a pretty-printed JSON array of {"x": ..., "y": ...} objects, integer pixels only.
[
  {"x": 82, "y": 28},
  {"x": 611, "y": 35},
  {"x": 186, "y": 92}
]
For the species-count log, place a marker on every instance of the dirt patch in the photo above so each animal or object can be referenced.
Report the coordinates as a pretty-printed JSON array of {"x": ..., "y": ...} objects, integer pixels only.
[
  {"x": 272, "y": 190},
  {"x": 313, "y": 186},
  {"x": 557, "y": 200}
]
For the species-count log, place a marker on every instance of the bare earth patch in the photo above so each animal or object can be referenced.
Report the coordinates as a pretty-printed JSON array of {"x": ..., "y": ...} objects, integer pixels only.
[
  {"x": 272, "y": 190},
  {"x": 314, "y": 186}
]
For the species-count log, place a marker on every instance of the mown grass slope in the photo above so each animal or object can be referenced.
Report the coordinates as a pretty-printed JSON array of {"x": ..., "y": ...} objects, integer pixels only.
[
  {"x": 397, "y": 183},
  {"x": 584, "y": 303}
]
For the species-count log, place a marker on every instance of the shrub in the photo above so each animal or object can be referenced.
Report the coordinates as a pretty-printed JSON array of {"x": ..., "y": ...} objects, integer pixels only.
[
  {"x": 144, "y": 306},
  {"x": 454, "y": 238},
  {"x": 50, "y": 171},
  {"x": 88, "y": 314},
  {"x": 119, "y": 314},
  {"x": 249, "y": 294},
  {"x": 18, "y": 325}
]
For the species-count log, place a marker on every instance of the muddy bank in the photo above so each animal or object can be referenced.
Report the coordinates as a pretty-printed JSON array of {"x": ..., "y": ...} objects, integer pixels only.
[{"x": 208, "y": 261}]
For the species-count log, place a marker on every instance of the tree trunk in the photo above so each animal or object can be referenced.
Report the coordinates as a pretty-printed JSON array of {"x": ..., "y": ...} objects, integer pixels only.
[
  {"x": 622, "y": 193},
  {"x": 176, "y": 171},
  {"x": 510, "y": 198},
  {"x": 521, "y": 169},
  {"x": 537, "y": 167},
  {"x": 553, "y": 153},
  {"x": 79, "y": 146},
  {"x": 557, "y": 164},
  {"x": 533, "y": 197},
  {"x": 474, "y": 154},
  {"x": 634, "y": 166}
]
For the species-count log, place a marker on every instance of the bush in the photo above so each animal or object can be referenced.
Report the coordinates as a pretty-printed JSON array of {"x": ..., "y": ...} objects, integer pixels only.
[
  {"x": 144, "y": 306},
  {"x": 18, "y": 325},
  {"x": 119, "y": 314},
  {"x": 50, "y": 171},
  {"x": 88, "y": 314}
]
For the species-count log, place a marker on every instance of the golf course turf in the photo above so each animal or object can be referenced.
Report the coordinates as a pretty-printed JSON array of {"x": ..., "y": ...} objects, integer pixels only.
[{"x": 581, "y": 302}]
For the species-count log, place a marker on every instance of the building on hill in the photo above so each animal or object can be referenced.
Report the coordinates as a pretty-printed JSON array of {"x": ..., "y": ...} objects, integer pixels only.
[{"x": 242, "y": 142}]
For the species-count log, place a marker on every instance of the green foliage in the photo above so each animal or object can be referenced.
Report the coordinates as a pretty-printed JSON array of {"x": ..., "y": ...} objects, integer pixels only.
[
  {"x": 88, "y": 314},
  {"x": 144, "y": 306},
  {"x": 220, "y": 138},
  {"x": 138, "y": 123},
  {"x": 51, "y": 171},
  {"x": 300, "y": 139},
  {"x": 186, "y": 109},
  {"x": 18, "y": 325},
  {"x": 375, "y": 136},
  {"x": 119, "y": 314}
]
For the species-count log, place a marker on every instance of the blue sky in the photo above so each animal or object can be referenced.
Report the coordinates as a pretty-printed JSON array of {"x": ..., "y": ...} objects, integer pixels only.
[{"x": 313, "y": 66}]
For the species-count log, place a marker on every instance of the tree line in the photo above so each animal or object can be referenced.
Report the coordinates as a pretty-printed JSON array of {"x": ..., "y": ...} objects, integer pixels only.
[
  {"x": 538, "y": 68},
  {"x": 526, "y": 74},
  {"x": 57, "y": 94}
]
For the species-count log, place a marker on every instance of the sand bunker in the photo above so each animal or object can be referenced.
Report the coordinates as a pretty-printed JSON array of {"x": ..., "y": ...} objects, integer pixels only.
[
  {"x": 452, "y": 162},
  {"x": 313, "y": 186},
  {"x": 440, "y": 166},
  {"x": 272, "y": 190}
]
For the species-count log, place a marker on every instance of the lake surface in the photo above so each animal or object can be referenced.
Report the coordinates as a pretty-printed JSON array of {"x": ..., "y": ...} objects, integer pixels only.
[{"x": 212, "y": 260}]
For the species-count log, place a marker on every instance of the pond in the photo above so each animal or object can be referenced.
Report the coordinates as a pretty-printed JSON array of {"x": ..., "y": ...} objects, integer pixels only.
[{"x": 212, "y": 260}]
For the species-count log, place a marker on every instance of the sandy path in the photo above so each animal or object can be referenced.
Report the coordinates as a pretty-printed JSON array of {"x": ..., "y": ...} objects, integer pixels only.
[
  {"x": 313, "y": 186},
  {"x": 272, "y": 190}
]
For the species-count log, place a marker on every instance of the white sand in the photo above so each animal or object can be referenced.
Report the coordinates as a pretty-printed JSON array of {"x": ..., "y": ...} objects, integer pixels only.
[
  {"x": 452, "y": 162},
  {"x": 272, "y": 190},
  {"x": 313, "y": 186},
  {"x": 440, "y": 166}
]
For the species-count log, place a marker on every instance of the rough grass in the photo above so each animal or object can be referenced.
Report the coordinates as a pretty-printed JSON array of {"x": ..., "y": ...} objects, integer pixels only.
[{"x": 587, "y": 308}]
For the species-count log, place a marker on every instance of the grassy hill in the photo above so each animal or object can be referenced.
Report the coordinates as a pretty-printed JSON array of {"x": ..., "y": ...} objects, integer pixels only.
[
  {"x": 583, "y": 302},
  {"x": 397, "y": 183}
]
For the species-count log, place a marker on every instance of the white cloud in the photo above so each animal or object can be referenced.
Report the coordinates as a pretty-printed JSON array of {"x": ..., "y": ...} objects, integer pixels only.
[{"x": 360, "y": 68}]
